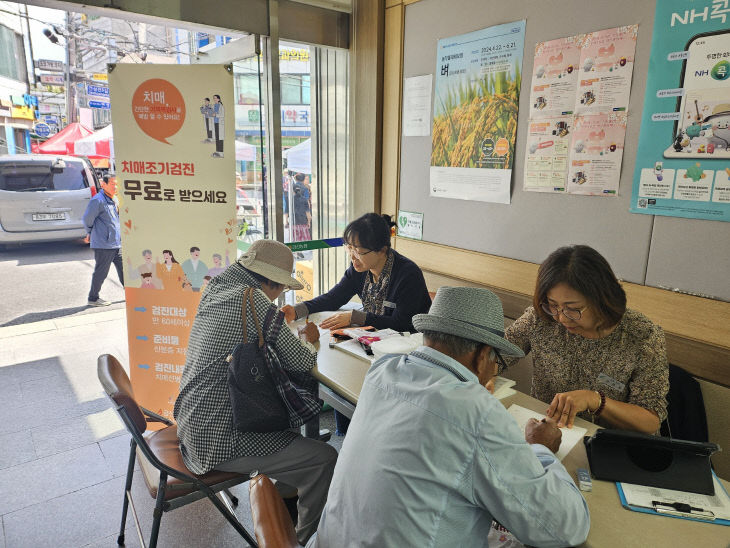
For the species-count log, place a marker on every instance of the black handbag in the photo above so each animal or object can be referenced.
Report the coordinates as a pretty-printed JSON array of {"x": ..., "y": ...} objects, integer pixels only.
[
  {"x": 265, "y": 397},
  {"x": 257, "y": 406}
]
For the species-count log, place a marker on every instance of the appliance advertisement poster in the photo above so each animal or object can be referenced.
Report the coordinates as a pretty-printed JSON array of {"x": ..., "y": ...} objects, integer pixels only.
[{"x": 683, "y": 159}]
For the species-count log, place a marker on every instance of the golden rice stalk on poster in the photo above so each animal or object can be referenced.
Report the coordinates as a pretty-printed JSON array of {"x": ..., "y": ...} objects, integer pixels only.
[{"x": 472, "y": 115}]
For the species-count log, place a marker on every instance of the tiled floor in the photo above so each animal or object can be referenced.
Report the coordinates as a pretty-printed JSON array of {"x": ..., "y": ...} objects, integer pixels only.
[{"x": 63, "y": 450}]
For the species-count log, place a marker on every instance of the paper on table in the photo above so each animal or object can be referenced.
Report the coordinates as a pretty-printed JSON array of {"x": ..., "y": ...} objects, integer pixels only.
[
  {"x": 571, "y": 436},
  {"x": 353, "y": 347},
  {"x": 643, "y": 496}
]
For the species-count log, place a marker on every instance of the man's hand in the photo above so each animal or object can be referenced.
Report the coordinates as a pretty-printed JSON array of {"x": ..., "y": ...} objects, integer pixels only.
[
  {"x": 87, "y": 238},
  {"x": 544, "y": 432},
  {"x": 309, "y": 332},
  {"x": 566, "y": 405},
  {"x": 289, "y": 313},
  {"x": 336, "y": 321},
  {"x": 490, "y": 385}
]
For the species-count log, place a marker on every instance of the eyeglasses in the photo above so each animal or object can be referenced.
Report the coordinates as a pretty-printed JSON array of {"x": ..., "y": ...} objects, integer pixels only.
[
  {"x": 355, "y": 253},
  {"x": 570, "y": 313},
  {"x": 500, "y": 360}
]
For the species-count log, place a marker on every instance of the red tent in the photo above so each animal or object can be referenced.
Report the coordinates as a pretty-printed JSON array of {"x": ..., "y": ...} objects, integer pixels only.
[
  {"x": 99, "y": 144},
  {"x": 69, "y": 134}
]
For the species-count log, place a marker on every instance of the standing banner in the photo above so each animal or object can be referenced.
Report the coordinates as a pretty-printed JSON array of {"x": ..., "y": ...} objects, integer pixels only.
[
  {"x": 478, "y": 79},
  {"x": 173, "y": 137},
  {"x": 683, "y": 159}
]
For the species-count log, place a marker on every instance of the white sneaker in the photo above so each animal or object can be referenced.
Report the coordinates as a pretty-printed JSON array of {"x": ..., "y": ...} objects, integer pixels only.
[
  {"x": 217, "y": 155},
  {"x": 99, "y": 302}
]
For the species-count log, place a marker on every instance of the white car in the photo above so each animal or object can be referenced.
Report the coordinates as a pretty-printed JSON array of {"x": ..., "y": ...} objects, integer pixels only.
[{"x": 43, "y": 197}]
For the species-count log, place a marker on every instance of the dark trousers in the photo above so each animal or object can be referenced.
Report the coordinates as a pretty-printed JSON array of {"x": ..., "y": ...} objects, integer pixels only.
[
  {"x": 218, "y": 139},
  {"x": 342, "y": 423},
  {"x": 207, "y": 128},
  {"x": 104, "y": 259}
]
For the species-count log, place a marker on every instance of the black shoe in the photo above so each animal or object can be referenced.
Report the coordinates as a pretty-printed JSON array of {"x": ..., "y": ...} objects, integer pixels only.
[{"x": 325, "y": 435}]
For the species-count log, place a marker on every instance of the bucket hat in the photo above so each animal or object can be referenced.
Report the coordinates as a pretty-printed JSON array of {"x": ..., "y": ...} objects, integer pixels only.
[
  {"x": 471, "y": 313},
  {"x": 271, "y": 259}
]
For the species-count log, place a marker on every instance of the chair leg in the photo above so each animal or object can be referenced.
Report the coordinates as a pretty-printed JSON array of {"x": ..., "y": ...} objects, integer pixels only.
[
  {"x": 127, "y": 489},
  {"x": 231, "y": 519},
  {"x": 159, "y": 509},
  {"x": 232, "y": 497}
]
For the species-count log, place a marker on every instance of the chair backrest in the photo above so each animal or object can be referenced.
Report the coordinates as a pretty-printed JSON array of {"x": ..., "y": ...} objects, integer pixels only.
[
  {"x": 118, "y": 387},
  {"x": 686, "y": 416},
  {"x": 271, "y": 521}
]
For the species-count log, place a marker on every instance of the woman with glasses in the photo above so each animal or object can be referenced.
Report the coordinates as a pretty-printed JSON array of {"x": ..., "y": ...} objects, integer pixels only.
[
  {"x": 390, "y": 286},
  {"x": 592, "y": 356}
]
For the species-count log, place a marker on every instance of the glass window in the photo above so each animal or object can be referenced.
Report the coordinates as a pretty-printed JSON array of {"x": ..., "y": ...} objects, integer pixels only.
[
  {"x": 11, "y": 61},
  {"x": 73, "y": 177},
  {"x": 247, "y": 89},
  {"x": 291, "y": 89},
  {"x": 38, "y": 177}
]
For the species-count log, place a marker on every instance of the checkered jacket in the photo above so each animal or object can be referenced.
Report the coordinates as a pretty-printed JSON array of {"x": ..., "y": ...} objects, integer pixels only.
[{"x": 203, "y": 410}]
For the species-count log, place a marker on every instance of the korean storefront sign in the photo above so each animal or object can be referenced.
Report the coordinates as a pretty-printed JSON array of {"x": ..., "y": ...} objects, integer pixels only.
[{"x": 176, "y": 185}]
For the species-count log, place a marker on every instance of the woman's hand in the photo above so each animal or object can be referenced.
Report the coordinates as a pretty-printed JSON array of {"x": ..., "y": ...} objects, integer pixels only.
[
  {"x": 289, "y": 313},
  {"x": 566, "y": 405},
  {"x": 490, "y": 385},
  {"x": 336, "y": 321}
]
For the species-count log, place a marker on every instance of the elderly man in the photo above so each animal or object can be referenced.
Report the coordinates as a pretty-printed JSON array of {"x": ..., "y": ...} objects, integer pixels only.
[
  {"x": 431, "y": 457},
  {"x": 101, "y": 220}
]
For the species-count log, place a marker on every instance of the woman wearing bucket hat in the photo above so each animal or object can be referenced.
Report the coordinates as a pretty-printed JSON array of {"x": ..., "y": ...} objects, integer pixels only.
[
  {"x": 203, "y": 411},
  {"x": 471, "y": 462},
  {"x": 592, "y": 356}
]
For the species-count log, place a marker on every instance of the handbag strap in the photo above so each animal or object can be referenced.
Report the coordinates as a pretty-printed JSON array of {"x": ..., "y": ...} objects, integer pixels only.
[{"x": 248, "y": 295}]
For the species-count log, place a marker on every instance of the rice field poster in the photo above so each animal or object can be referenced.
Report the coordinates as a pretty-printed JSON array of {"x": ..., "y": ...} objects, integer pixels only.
[{"x": 476, "y": 98}]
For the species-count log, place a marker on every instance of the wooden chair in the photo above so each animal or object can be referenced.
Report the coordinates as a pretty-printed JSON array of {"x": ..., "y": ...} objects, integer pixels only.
[
  {"x": 272, "y": 523},
  {"x": 169, "y": 481}
]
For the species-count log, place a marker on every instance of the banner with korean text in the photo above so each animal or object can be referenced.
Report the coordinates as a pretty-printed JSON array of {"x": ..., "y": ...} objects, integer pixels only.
[{"x": 174, "y": 137}]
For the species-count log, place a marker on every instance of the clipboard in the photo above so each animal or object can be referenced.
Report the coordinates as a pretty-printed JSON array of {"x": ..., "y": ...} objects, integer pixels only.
[{"x": 670, "y": 506}]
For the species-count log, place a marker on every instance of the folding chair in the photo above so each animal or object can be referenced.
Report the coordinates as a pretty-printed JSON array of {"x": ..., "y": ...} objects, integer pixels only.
[
  {"x": 272, "y": 522},
  {"x": 168, "y": 479}
]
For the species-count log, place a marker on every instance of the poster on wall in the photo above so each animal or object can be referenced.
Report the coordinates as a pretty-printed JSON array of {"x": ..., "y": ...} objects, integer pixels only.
[
  {"x": 582, "y": 83},
  {"x": 554, "y": 77},
  {"x": 478, "y": 78},
  {"x": 596, "y": 151},
  {"x": 173, "y": 137},
  {"x": 548, "y": 151},
  {"x": 605, "y": 69},
  {"x": 683, "y": 159}
]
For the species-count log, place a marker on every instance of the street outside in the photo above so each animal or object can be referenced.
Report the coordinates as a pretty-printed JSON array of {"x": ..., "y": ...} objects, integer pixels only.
[{"x": 50, "y": 280}]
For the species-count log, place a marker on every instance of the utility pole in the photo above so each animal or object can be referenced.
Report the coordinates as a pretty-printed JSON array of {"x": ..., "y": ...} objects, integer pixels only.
[
  {"x": 71, "y": 111},
  {"x": 31, "y": 76}
]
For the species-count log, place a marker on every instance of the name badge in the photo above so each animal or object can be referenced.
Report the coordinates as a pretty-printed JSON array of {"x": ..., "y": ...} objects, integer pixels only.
[
  {"x": 610, "y": 382},
  {"x": 388, "y": 304}
]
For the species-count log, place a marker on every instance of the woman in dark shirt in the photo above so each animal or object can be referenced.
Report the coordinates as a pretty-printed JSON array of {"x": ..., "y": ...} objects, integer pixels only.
[{"x": 390, "y": 286}]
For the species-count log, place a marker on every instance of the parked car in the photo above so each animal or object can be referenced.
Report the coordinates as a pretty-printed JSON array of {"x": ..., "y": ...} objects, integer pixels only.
[{"x": 43, "y": 197}]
